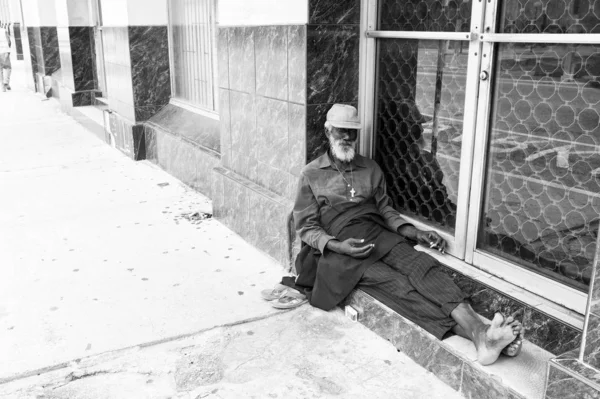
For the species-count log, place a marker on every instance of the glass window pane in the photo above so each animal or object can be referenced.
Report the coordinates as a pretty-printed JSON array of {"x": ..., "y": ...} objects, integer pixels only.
[
  {"x": 192, "y": 49},
  {"x": 542, "y": 191},
  {"x": 419, "y": 118},
  {"x": 549, "y": 16},
  {"x": 425, "y": 15}
]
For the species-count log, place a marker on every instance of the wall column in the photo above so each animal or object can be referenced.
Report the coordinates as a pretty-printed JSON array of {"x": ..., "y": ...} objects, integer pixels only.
[
  {"x": 262, "y": 80},
  {"x": 282, "y": 64},
  {"x": 77, "y": 84},
  {"x": 333, "y": 64},
  {"x": 136, "y": 55},
  {"x": 40, "y": 19}
]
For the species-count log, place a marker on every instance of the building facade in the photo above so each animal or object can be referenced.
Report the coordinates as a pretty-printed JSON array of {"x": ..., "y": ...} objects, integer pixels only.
[{"x": 484, "y": 117}]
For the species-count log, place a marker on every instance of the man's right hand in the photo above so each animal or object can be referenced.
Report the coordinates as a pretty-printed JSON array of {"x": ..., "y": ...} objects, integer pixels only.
[{"x": 353, "y": 247}]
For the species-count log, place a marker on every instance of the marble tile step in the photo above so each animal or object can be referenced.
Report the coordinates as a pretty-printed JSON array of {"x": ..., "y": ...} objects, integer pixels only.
[
  {"x": 525, "y": 374},
  {"x": 454, "y": 359},
  {"x": 568, "y": 378}
]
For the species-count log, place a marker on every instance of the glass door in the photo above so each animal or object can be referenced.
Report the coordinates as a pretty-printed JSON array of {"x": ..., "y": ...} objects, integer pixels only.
[
  {"x": 536, "y": 190},
  {"x": 484, "y": 117},
  {"x": 425, "y": 67}
]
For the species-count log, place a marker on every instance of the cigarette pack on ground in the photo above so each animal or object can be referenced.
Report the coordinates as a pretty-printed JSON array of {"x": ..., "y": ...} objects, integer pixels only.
[{"x": 351, "y": 313}]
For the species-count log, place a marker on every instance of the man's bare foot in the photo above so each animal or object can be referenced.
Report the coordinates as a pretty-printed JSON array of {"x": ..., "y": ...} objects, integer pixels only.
[
  {"x": 493, "y": 338},
  {"x": 514, "y": 348}
]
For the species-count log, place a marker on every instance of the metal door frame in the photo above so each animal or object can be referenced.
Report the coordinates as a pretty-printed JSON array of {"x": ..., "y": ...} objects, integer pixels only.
[{"x": 523, "y": 278}]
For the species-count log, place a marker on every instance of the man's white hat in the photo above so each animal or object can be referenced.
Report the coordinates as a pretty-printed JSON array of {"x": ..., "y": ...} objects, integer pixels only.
[{"x": 343, "y": 116}]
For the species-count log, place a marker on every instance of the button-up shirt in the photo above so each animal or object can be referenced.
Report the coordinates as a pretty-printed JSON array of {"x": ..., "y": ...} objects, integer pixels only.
[{"x": 323, "y": 187}]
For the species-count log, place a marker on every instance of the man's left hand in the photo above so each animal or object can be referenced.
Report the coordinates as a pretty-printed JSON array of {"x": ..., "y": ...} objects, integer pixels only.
[{"x": 431, "y": 239}]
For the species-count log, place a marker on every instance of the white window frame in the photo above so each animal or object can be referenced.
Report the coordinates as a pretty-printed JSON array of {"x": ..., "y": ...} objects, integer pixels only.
[
  {"x": 182, "y": 103},
  {"x": 536, "y": 290}
]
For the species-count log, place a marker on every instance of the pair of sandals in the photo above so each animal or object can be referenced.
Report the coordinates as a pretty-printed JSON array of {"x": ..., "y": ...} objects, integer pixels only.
[{"x": 283, "y": 297}]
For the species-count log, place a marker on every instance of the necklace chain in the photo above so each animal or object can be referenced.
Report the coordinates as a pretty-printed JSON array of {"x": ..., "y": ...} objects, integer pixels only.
[{"x": 352, "y": 190}]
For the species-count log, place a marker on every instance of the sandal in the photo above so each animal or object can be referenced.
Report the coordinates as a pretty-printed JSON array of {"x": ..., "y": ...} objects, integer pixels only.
[
  {"x": 290, "y": 299},
  {"x": 274, "y": 293}
]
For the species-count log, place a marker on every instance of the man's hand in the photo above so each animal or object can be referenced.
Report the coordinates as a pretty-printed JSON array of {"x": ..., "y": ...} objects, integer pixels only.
[
  {"x": 431, "y": 239},
  {"x": 352, "y": 247}
]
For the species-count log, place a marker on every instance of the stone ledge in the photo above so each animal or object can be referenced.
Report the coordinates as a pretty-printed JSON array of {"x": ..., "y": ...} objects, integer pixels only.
[
  {"x": 198, "y": 130},
  {"x": 453, "y": 360},
  {"x": 188, "y": 161}
]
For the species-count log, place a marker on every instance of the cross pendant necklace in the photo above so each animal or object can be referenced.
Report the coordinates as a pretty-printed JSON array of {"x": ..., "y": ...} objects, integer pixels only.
[{"x": 352, "y": 190}]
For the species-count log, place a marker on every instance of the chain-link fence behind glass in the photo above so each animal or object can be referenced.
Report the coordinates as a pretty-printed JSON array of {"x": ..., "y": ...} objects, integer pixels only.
[
  {"x": 425, "y": 15},
  {"x": 542, "y": 200},
  {"x": 549, "y": 16},
  {"x": 420, "y": 107}
]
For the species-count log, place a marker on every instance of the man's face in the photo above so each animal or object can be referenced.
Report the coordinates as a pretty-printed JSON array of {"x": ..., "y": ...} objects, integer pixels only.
[{"x": 343, "y": 142}]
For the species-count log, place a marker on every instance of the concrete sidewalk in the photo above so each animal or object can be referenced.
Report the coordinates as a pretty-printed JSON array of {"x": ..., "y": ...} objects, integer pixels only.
[{"x": 109, "y": 289}]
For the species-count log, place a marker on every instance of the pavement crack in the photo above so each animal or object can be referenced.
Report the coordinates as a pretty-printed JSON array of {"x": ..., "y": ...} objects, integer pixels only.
[
  {"x": 64, "y": 365},
  {"x": 253, "y": 358},
  {"x": 74, "y": 376}
]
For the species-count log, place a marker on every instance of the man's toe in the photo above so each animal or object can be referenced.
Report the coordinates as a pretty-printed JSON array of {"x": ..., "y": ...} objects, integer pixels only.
[{"x": 498, "y": 320}]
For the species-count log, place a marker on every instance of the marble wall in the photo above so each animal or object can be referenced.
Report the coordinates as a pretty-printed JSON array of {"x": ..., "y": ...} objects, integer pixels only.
[
  {"x": 33, "y": 37},
  {"x": 255, "y": 213},
  {"x": 576, "y": 374},
  {"x": 117, "y": 63},
  {"x": 182, "y": 158},
  {"x": 77, "y": 52},
  {"x": 43, "y": 42},
  {"x": 127, "y": 136},
  {"x": 50, "y": 51},
  {"x": 591, "y": 353},
  {"x": 570, "y": 379},
  {"x": 138, "y": 86},
  {"x": 44, "y": 51},
  {"x": 263, "y": 104},
  {"x": 18, "y": 46},
  {"x": 83, "y": 57},
  {"x": 262, "y": 109},
  {"x": 30, "y": 83},
  {"x": 333, "y": 64},
  {"x": 137, "y": 70},
  {"x": 66, "y": 57},
  {"x": 151, "y": 80}
]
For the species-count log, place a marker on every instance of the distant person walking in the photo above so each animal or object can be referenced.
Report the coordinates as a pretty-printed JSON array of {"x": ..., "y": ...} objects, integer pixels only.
[{"x": 5, "y": 67}]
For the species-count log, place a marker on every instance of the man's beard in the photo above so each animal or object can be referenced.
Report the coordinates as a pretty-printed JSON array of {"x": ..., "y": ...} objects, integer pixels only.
[{"x": 341, "y": 151}]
